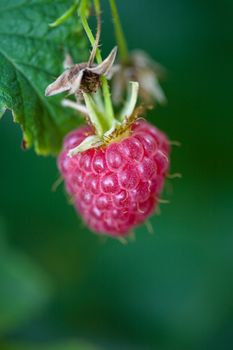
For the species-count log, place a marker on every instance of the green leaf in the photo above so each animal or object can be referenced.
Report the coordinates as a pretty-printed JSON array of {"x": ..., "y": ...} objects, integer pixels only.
[
  {"x": 31, "y": 57},
  {"x": 2, "y": 109}
]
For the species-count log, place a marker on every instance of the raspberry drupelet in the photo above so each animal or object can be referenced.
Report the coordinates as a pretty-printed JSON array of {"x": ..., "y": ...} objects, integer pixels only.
[{"x": 116, "y": 187}]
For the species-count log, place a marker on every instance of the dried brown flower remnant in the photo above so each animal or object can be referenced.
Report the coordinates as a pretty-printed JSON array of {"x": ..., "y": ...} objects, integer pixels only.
[
  {"x": 82, "y": 77},
  {"x": 141, "y": 68}
]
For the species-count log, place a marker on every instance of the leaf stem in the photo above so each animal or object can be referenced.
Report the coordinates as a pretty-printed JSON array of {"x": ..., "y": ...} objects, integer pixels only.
[
  {"x": 105, "y": 87},
  {"x": 120, "y": 37},
  {"x": 65, "y": 15}
]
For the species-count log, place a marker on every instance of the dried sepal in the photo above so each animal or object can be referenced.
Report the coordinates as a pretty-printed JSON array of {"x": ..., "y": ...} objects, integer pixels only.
[
  {"x": 81, "y": 77},
  {"x": 66, "y": 80},
  {"x": 68, "y": 61},
  {"x": 105, "y": 67},
  {"x": 141, "y": 68}
]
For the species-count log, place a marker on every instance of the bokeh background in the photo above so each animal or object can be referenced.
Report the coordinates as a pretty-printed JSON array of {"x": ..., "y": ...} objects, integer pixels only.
[{"x": 63, "y": 288}]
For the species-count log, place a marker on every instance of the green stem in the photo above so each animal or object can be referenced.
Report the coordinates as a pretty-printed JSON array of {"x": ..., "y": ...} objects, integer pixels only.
[
  {"x": 65, "y": 15},
  {"x": 120, "y": 38},
  {"x": 105, "y": 87},
  {"x": 91, "y": 38}
]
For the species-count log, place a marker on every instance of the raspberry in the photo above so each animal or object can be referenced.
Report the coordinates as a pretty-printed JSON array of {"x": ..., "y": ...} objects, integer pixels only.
[{"x": 116, "y": 187}]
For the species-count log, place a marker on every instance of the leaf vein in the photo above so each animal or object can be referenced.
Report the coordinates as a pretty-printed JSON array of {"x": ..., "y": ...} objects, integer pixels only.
[{"x": 42, "y": 100}]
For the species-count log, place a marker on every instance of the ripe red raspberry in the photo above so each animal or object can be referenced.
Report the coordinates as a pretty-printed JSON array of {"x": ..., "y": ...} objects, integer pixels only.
[{"x": 116, "y": 187}]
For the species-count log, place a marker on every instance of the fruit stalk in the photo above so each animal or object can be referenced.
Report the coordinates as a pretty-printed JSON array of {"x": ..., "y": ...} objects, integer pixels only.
[
  {"x": 106, "y": 92},
  {"x": 120, "y": 38}
]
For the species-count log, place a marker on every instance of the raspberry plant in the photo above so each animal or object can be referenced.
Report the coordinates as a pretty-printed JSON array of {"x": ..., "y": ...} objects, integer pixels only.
[{"x": 114, "y": 168}]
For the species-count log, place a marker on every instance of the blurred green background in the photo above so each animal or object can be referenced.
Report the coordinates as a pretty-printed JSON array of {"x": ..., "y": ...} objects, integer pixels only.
[{"x": 63, "y": 288}]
